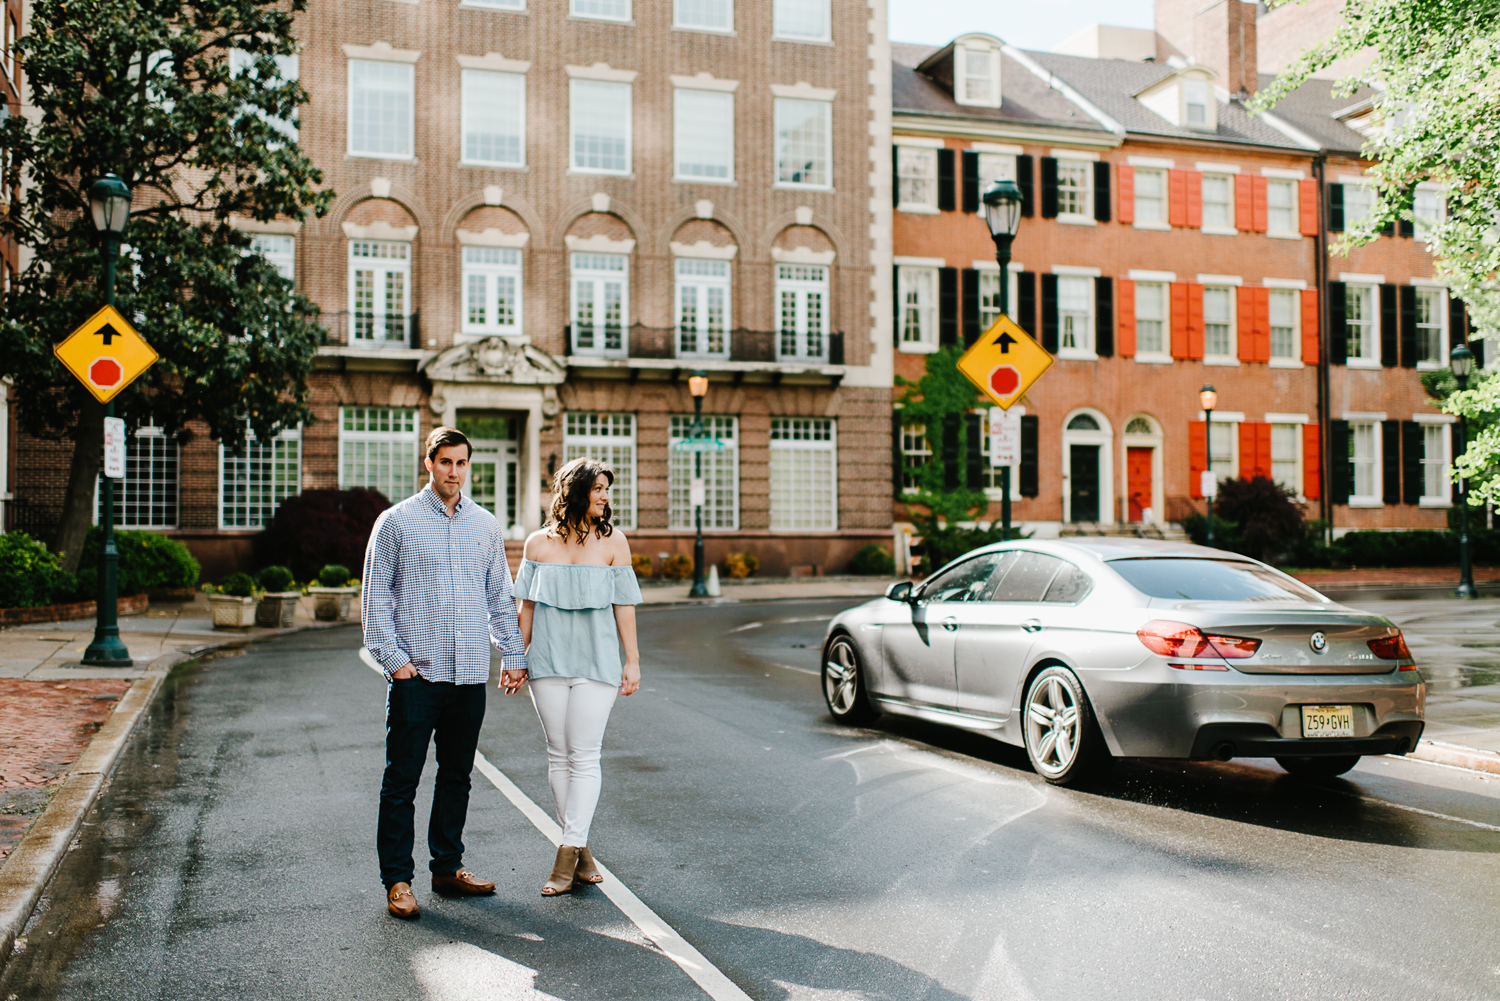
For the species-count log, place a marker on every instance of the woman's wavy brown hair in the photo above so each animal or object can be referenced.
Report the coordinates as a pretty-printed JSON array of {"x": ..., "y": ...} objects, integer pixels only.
[{"x": 571, "y": 487}]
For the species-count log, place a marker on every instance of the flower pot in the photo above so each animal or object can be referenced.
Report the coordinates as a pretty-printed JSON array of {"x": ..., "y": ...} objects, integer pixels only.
[
  {"x": 278, "y": 609},
  {"x": 231, "y": 612},
  {"x": 332, "y": 602}
]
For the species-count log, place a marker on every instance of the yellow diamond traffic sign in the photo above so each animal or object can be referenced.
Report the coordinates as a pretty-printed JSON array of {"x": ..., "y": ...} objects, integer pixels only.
[
  {"x": 105, "y": 353},
  {"x": 1004, "y": 362}
]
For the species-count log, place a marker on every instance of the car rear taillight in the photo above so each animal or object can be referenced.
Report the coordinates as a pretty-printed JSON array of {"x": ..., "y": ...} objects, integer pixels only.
[
  {"x": 1234, "y": 647},
  {"x": 1391, "y": 647},
  {"x": 1178, "y": 639}
]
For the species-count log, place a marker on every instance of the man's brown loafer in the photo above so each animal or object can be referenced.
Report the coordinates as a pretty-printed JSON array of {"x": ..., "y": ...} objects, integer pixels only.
[
  {"x": 462, "y": 884},
  {"x": 401, "y": 902}
]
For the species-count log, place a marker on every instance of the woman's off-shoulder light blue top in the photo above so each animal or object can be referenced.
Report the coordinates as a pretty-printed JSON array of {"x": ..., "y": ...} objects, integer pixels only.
[{"x": 573, "y": 631}]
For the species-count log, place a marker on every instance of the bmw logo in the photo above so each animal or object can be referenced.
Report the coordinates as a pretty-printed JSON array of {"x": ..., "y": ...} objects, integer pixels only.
[{"x": 1318, "y": 641}]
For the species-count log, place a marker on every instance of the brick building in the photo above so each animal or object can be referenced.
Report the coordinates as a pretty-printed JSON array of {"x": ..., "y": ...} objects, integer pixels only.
[{"x": 11, "y": 88}]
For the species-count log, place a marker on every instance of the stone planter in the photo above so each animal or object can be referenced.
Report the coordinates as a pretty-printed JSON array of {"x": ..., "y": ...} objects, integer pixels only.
[
  {"x": 231, "y": 612},
  {"x": 332, "y": 602},
  {"x": 278, "y": 609}
]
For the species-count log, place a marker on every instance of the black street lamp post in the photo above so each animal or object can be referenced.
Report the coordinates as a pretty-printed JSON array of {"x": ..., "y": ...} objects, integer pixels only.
[
  {"x": 1461, "y": 363},
  {"x": 1208, "y": 398},
  {"x": 1002, "y": 214},
  {"x": 109, "y": 204},
  {"x": 698, "y": 386}
]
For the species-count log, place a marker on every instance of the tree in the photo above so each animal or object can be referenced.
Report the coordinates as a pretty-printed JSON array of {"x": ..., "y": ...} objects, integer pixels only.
[
  {"x": 937, "y": 402},
  {"x": 147, "y": 89}
]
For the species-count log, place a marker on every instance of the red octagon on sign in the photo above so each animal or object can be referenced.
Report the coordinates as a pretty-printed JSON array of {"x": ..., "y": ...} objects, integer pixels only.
[
  {"x": 105, "y": 373},
  {"x": 1005, "y": 380}
]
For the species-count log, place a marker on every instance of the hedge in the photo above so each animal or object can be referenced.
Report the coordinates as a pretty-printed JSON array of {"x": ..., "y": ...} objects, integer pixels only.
[
  {"x": 148, "y": 562},
  {"x": 319, "y": 527},
  {"x": 29, "y": 574}
]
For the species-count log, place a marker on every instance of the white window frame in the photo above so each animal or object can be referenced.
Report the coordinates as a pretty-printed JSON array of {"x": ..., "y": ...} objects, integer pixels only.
[
  {"x": 1082, "y": 348},
  {"x": 913, "y": 443},
  {"x": 1196, "y": 93},
  {"x": 989, "y": 292},
  {"x": 1294, "y": 358},
  {"x": 803, "y": 282},
  {"x": 1163, "y": 353},
  {"x": 509, "y": 266},
  {"x": 1161, "y": 210},
  {"x": 685, "y": 133},
  {"x": 379, "y": 316},
  {"x": 612, "y": 438},
  {"x": 995, "y": 167},
  {"x": 917, "y": 179},
  {"x": 279, "y": 250},
  {"x": 391, "y": 437},
  {"x": 411, "y": 99},
  {"x": 1227, "y": 228},
  {"x": 781, "y": 30},
  {"x": 1365, "y": 200},
  {"x": 915, "y": 281},
  {"x": 789, "y": 439},
  {"x": 1443, "y": 431},
  {"x": 1441, "y": 306},
  {"x": 721, "y": 476},
  {"x": 1369, "y": 354},
  {"x": 782, "y": 172},
  {"x": 1294, "y": 431},
  {"x": 697, "y": 279},
  {"x": 1436, "y": 195},
  {"x": 471, "y": 80},
  {"x": 962, "y": 76},
  {"x": 680, "y": 24},
  {"x": 1225, "y": 469},
  {"x": 514, "y": 6},
  {"x": 1085, "y": 213},
  {"x": 258, "y": 515},
  {"x": 591, "y": 91},
  {"x": 1294, "y": 232},
  {"x": 585, "y": 268},
  {"x": 1231, "y": 355},
  {"x": 152, "y": 438},
  {"x": 1373, "y": 499},
  {"x": 582, "y": 9}
]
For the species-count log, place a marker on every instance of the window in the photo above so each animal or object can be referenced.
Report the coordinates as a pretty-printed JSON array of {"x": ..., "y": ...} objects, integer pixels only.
[
  {"x": 1074, "y": 186},
  {"x": 378, "y": 450},
  {"x": 1285, "y": 307},
  {"x": 1218, "y": 202},
  {"x": 494, "y": 118},
  {"x": 1285, "y": 439},
  {"x": 803, "y": 143},
  {"x": 1221, "y": 441},
  {"x": 996, "y": 167},
  {"x": 1181, "y": 579},
  {"x": 601, "y": 125},
  {"x": 721, "y": 476},
  {"x": 1151, "y": 196},
  {"x": 1430, "y": 328},
  {"x": 705, "y": 15},
  {"x": 916, "y": 178},
  {"x": 802, "y": 311},
  {"x": 492, "y": 290},
  {"x": 496, "y": 4},
  {"x": 918, "y": 290},
  {"x": 915, "y": 453},
  {"x": 1075, "y": 308},
  {"x": 968, "y": 581},
  {"x": 1359, "y": 199},
  {"x": 703, "y": 135},
  {"x": 802, "y": 20},
  {"x": 979, "y": 79},
  {"x": 380, "y": 109},
  {"x": 1364, "y": 458},
  {"x": 1218, "y": 322},
  {"x": 1195, "y": 103},
  {"x": 603, "y": 10},
  {"x": 1359, "y": 321},
  {"x": 279, "y": 251},
  {"x": 253, "y": 483},
  {"x": 989, "y": 298},
  {"x": 1436, "y": 487},
  {"x": 609, "y": 438},
  {"x": 287, "y": 69},
  {"x": 703, "y": 322},
  {"x": 1281, "y": 206},
  {"x": 379, "y": 275},
  {"x": 147, "y": 496},
  {"x": 1428, "y": 209},
  {"x": 601, "y": 302},
  {"x": 804, "y": 474},
  {"x": 1151, "y": 319}
]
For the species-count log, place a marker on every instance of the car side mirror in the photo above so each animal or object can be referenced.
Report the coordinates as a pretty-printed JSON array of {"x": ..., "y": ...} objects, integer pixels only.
[{"x": 901, "y": 590}]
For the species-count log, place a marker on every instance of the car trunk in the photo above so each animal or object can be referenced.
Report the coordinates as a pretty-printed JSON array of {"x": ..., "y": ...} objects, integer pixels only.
[{"x": 1286, "y": 640}]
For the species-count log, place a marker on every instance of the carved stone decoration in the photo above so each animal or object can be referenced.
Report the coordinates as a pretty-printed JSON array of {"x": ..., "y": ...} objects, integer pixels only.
[{"x": 496, "y": 360}]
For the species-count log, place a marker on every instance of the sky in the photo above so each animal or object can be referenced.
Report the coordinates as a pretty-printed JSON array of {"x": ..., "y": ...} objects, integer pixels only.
[{"x": 1026, "y": 24}]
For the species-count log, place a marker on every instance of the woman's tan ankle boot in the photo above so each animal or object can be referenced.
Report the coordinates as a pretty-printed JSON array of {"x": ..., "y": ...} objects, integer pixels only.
[
  {"x": 587, "y": 871},
  {"x": 561, "y": 880}
]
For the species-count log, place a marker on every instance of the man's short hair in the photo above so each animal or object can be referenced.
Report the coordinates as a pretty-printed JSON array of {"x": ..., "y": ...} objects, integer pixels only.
[{"x": 443, "y": 437}]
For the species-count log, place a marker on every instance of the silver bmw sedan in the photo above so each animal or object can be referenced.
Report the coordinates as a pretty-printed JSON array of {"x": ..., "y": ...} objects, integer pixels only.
[{"x": 1084, "y": 650}]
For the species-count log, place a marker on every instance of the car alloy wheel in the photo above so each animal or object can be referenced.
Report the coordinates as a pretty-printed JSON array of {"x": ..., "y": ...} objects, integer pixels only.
[
  {"x": 1062, "y": 739},
  {"x": 843, "y": 683}
]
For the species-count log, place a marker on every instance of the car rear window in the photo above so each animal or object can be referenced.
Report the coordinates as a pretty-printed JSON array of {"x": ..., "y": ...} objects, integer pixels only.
[{"x": 1210, "y": 580}]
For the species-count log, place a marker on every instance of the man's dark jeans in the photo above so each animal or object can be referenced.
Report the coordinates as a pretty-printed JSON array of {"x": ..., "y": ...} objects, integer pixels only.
[{"x": 417, "y": 710}]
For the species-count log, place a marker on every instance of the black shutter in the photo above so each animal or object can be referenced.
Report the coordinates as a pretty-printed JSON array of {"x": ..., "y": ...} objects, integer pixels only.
[
  {"x": 1049, "y": 187},
  {"x": 1478, "y": 348},
  {"x": 950, "y": 451},
  {"x": 971, "y": 181},
  {"x": 1404, "y": 227},
  {"x": 1335, "y": 208},
  {"x": 1338, "y": 326},
  {"x": 1026, "y": 308},
  {"x": 1101, "y": 191},
  {"x": 1453, "y": 447},
  {"x": 945, "y": 180},
  {"x": 947, "y": 307},
  {"x": 1389, "y": 229},
  {"x": 1049, "y": 313},
  {"x": 1408, "y": 296},
  {"x": 1023, "y": 181},
  {"x": 971, "y": 306},
  {"x": 974, "y": 454},
  {"x": 1338, "y": 461},
  {"x": 896, "y": 295},
  {"x": 1390, "y": 462},
  {"x": 898, "y": 457},
  {"x": 895, "y": 175},
  {"x": 1104, "y": 317},
  {"x": 1412, "y": 449},
  {"x": 1390, "y": 330},
  {"x": 1458, "y": 327},
  {"x": 1028, "y": 473}
]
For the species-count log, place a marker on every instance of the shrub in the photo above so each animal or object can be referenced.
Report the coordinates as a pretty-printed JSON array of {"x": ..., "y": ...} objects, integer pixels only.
[
  {"x": 873, "y": 559},
  {"x": 741, "y": 565},
  {"x": 1267, "y": 516},
  {"x": 679, "y": 567},
  {"x": 641, "y": 564},
  {"x": 319, "y": 527},
  {"x": 1226, "y": 533},
  {"x": 237, "y": 585},
  {"x": 334, "y": 575},
  {"x": 275, "y": 578},
  {"x": 149, "y": 561},
  {"x": 29, "y": 574}
]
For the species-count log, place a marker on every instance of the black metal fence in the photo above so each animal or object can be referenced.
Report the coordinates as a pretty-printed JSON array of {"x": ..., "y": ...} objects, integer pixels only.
[{"x": 367, "y": 330}]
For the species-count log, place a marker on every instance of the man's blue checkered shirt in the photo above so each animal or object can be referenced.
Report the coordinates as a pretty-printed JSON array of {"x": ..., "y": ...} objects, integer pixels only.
[{"x": 437, "y": 591}]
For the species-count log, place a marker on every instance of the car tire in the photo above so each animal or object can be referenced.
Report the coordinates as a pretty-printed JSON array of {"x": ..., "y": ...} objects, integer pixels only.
[
  {"x": 1319, "y": 768},
  {"x": 1062, "y": 736},
  {"x": 844, "y": 683}
]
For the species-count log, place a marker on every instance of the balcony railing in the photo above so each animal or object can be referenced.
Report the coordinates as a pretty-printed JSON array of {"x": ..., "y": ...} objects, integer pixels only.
[
  {"x": 376, "y": 332},
  {"x": 663, "y": 343}
]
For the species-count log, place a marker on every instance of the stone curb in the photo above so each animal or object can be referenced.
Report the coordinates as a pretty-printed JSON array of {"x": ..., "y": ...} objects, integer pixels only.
[{"x": 1457, "y": 756}]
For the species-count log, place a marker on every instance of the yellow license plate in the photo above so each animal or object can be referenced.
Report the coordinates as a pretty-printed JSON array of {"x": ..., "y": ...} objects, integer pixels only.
[{"x": 1327, "y": 721}]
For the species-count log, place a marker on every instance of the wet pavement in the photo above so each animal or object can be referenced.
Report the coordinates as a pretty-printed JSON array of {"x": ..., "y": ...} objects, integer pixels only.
[{"x": 232, "y": 855}]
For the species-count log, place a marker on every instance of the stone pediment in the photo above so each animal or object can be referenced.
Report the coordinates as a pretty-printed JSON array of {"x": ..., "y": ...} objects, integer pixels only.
[{"x": 496, "y": 360}]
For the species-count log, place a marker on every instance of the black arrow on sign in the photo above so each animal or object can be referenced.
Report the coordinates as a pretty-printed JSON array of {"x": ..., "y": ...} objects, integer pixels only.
[
  {"x": 108, "y": 333},
  {"x": 1004, "y": 340}
]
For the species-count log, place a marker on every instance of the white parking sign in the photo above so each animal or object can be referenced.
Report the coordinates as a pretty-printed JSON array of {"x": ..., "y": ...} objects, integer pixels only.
[
  {"x": 114, "y": 447},
  {"x": 1005, "y": 437}
]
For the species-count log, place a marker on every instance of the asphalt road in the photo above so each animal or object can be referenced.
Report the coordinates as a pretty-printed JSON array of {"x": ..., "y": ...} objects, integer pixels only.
[{"x": 233, "y": 855}]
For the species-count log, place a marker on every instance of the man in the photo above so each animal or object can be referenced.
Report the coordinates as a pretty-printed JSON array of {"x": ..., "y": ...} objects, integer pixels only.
[{"x": 437, "y": 593}]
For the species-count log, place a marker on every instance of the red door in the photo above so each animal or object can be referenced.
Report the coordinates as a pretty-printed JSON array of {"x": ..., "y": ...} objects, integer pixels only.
[{"x": 1138, "y": 481}]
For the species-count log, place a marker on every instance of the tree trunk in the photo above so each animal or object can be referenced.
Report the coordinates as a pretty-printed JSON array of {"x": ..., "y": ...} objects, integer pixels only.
[{"x": 78, "y": 505}]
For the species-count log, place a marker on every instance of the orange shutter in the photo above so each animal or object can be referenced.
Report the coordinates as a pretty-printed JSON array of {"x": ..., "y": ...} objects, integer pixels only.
[
  {"x": 1197, "y": 456},
  {"x": 1247, "y": 450},
  {"x": 1127, "y": 193},
  {"x": 1194, "y": 198},
  {"x": 1244, "y": 302},
  {"x": 1263, "y": 450},
  {"x": 1177, "y": 197},
  {"x": 1180, "y": 319},
  {"x": 1244, "y": 203},
  {"x": 1261, "y": 213},
  {"x": 1312, "y": 464},
  {"x": 1262, "y": 300},
  {"x": 1307, "y": 206},
  {"x": 1125, "y": 313},
  {"x": 1310, "y": 328},
  {"x": 1195, "y": 320}
]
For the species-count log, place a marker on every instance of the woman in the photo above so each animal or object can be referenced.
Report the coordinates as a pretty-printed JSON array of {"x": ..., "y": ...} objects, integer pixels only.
[{"x": 578, "y": 595}]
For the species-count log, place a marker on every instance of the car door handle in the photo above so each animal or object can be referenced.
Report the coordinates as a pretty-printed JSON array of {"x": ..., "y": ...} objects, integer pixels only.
[
  {"x": 1032, "y": 625},
  {"x": 950, "y": 623}
]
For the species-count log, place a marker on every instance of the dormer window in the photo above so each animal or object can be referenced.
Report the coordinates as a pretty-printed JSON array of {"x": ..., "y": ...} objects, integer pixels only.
[
  {"x": 978, "y": 80},
  {"x": 1195, "y": 103},
  {"x": 1185, "y": 99}
]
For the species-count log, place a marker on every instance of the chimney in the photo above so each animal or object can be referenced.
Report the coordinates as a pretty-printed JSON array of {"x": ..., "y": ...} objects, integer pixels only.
[{"x": 1219, "y": 34}]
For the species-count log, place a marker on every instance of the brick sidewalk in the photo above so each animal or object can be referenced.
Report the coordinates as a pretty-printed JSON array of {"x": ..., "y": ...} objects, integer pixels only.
[{"x": 44, "y": 725}]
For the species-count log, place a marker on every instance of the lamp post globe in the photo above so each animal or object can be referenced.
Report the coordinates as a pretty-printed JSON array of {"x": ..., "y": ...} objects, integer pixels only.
[
  {"x": 1461, "y": 364},
  {"x": 109, "y": 204},
  {"x": 698, "y": 386}
]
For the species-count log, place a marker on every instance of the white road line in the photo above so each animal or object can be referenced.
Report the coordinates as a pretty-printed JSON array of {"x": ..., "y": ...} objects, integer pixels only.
[
  {"x": 1428, "y": 813},
  {"x": 791, "y": 667}
]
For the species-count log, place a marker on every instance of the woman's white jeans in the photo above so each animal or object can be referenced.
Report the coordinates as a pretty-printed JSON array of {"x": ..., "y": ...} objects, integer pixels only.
[{"x": 573, "y": 712}]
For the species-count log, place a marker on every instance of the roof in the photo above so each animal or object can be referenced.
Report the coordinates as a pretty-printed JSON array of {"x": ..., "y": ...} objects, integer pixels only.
[
  {"x": 1116, "y": 547},
  {"x": 1026, "y": 99},
  {"x": 1312, "y": 107}
]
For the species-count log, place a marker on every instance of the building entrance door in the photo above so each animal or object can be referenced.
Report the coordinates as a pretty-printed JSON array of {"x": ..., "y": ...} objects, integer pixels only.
[
  {"x": 1138, "y": 482},
  {"x": 494, "y": 469},
  {"x": 1083, "y": 476}
]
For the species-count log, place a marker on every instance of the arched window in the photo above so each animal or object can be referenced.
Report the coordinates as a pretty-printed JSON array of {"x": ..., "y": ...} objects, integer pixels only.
[
  {"x": 1083, "y": 422},
  {"x": 1139, "y": 425}
]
